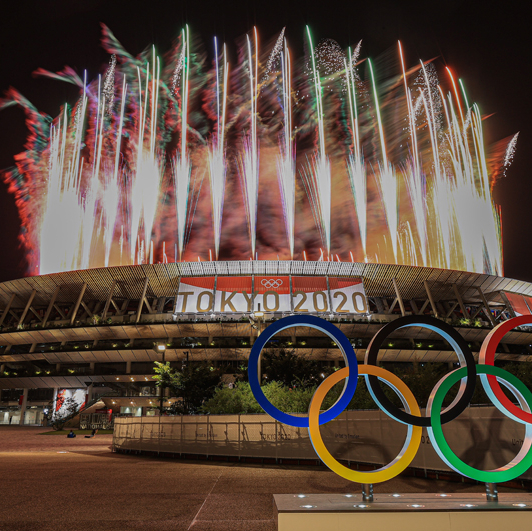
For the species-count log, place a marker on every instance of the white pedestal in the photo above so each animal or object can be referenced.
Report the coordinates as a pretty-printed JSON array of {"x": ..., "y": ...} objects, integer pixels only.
[{"x": 407, "y": 512}]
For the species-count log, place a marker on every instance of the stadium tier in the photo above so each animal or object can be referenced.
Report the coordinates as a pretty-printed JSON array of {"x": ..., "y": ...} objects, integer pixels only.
[{"x": 96, "y": 332}]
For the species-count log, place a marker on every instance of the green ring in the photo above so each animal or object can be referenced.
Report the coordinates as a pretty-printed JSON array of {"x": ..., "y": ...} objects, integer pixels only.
[{"x": 444, "y": 450}]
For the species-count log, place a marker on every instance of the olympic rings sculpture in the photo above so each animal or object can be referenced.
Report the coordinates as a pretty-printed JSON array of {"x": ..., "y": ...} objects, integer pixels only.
[{"x": 490, "y": 376}]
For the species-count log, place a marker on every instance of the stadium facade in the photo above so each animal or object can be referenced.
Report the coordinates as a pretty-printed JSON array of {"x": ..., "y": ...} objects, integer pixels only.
[{"x": 96, "y": 333}]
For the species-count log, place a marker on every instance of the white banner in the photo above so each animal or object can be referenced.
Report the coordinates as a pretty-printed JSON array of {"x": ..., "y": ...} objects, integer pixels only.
[
  {"x": 271, "y": 293},
  {"x": 347, "y": 295},
  {"x": 310, "y": 294},
  {"x": 234, "y": 294},
  {"x": 195, "y": 295}
]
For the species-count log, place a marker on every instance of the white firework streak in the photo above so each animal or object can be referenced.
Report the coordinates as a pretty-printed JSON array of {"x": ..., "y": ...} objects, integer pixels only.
[
  {"x": 510, "y": 152},
  {"x": 318, "y": 172},
  {"x": 110, "y": 203},
  {"x": 286, "y": 164},
  {"x": 217, "y": 164},
  {"x": 286, "y": 173},
  {"x": 249, "y": 158},
  {"x": 407, "y": 245},
  {"x": 59, "y": 240},
  {"x": 178, "y": 68},
  {"x": 88, "y": 222},
  {"x": 387, "y": 178},
  {"x": 276, "y": 52},
  {"x": 249, "y": 173},
  {"x": 388, "y": 188},
  {"x": 111, "y": 195},
  {"x": 358, "y": 181},
  {"x": 147, "y": 180},
  {"x": 109, "y": 86},
  {"x": 62, "y": 241},
  {"x": 181, "y": 166},
  {"x": 443, "y": 209},
  {"x": 417, "y": 190},
  {"x": 135, "y": 203},
  {"x": 317, "y": 179},
  {"x": 181, "y": 169},
  {"x": 355, "y": 163},
  {"x": 145, "y": 193},
  {"x": 217, "y": 175}
]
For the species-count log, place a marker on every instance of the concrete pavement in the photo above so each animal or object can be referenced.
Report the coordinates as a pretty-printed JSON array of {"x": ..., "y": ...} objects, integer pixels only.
[{"x": 91, "y": 488}]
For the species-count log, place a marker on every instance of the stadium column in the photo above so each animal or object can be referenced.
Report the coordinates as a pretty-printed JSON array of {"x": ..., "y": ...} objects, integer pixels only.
[
  {"x": 23, "y": 406},
  {"x": 431, "y": 299},
  {"x": 78, "y": 303},
  {"x": 487, "y": 310},
  {"x": 50, "y": 306},
  {"x": 109, "y": 299},
  {"x": 26, "y": 308},
  {"x": 7, "y": 308},
  {"x": 465, "y": 313},
  {"x": 89, "y": 392},
  {"x": 142, "y": 299},
  {"x": 399, "y": 298}
]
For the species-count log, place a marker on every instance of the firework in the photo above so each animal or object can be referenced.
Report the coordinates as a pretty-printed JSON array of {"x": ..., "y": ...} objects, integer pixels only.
[{"x": 118, "y": 175}]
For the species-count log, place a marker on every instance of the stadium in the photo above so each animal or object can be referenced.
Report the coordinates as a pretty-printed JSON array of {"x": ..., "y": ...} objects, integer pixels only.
[
  {"x": 99, "y": 331},
  {"x": 384, "y": 209}
]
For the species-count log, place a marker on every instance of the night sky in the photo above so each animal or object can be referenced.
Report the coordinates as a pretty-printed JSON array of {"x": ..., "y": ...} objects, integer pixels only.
[{"x": 487, "y": 44}]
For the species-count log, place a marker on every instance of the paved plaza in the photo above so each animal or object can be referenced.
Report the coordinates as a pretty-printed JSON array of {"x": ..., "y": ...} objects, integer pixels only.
[{"x": 54, "y": 483}]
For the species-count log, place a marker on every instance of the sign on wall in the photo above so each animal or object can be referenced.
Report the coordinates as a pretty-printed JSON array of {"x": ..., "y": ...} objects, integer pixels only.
[
  {"x": 271, "y": 293},
  {"x": 234, "y": 294},
  {"x": 521, "y": 304},
  {"x": 78, "y": 395}
]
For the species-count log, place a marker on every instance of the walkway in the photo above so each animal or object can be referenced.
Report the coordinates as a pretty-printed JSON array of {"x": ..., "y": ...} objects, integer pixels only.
[{"x": 89, "y": 488}]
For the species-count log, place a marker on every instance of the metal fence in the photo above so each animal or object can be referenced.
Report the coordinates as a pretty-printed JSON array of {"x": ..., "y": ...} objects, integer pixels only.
[{"x": 481, "y": 436}]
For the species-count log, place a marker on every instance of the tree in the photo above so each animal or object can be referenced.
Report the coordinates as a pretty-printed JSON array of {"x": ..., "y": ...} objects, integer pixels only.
[
  {"x": 285, "y": 366},
  {"x": 193, "y": 385}
]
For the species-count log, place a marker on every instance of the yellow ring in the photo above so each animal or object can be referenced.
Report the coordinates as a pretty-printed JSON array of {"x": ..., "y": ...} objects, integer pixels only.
[{"x": 405, "y": 456}]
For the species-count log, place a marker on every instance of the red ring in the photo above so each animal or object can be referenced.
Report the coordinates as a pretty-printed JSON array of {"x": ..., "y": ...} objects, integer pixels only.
[{"x": 487, "y": 357}]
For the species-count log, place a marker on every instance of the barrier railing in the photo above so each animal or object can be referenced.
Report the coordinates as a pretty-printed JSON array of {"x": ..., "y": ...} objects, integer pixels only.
[{"x": 482, "y": 436}]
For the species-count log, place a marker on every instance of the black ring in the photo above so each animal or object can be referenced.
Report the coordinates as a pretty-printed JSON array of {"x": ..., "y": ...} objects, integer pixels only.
[{"x": 446, "y": 331}]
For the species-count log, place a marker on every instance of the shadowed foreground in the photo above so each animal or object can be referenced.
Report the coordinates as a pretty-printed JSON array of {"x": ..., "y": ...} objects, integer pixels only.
[{"x": 90, "y": 488}]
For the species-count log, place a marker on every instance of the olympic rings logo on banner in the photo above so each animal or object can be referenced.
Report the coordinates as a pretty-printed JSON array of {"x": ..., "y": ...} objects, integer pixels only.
[
  {"x": 271, "y": 283},
  {"x": 490, "y": 376}
]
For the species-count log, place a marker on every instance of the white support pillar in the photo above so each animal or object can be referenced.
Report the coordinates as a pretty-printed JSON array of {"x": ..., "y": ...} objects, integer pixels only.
[
  {"x": 465, "y": 313},
  {"x": 142, "y": 299},
  {"x": 27, "y": 307},
  {"x": 109, "y": 299},
  {"x": 429, "y": 295},
  {"x": 78, "y": 302},
  {"x": 89, "y": 393},
  {"x": 7, "y": 308},
  {"x": 50, "y": 306},
  {"x": 23, "y": 406},
  {"x": 399, "y": 298},
  {"x": 487, "y": 310}
]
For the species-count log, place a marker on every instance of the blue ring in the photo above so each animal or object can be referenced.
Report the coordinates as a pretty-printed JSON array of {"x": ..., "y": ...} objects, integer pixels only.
[{"x": 336, "y": 335}]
